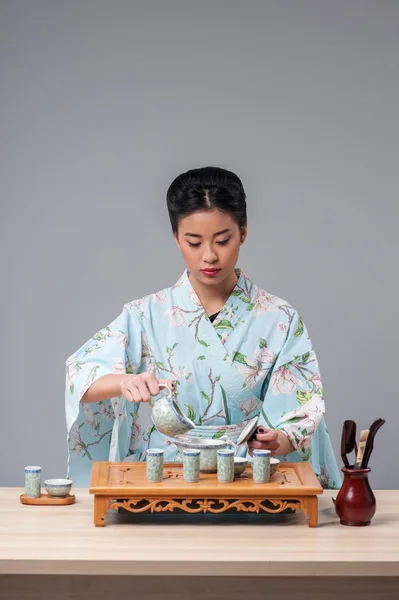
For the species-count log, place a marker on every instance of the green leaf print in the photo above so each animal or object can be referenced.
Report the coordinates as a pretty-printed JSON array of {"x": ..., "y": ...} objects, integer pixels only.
[
  {"x": 295, "y": 419},
  {"x": 299, "y": 329},
  {"x": 250, "y": 306},
  {"x": 262, "y": 343},
  {"x": 224, "y": 324},
  {"x": 72, "y": 389},
  {"x": 306, "y": 454},
  {"x": 226, "y": 410},
  {"x": 238, "y": 357},
  {"x": 191, "y": 412},
  {"x": 202, "y": 343},
  {"x": 243, "y": 299},
  {"x": 236, "y": 293},
  {"x": 218, "y": 434},
  {"x": 207, "y": 398},
  {"x": 202, "y": 357},
  {"x": 305, "y": 357},
  {"x": 175, "y": 346},
  {"x": 303, "y": 397},
  {"x": 266, "y": 419},
  {"x": 160, "y": 365}
]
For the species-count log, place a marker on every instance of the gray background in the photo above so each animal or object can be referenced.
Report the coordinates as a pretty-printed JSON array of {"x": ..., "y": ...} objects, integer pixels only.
[{"x": 104, "y": 103}]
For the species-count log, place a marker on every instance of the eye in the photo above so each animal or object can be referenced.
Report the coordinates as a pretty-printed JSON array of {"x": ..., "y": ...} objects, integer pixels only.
[
  {"x": 193, "y": 245},
  {"x": 223, "y": 242}
]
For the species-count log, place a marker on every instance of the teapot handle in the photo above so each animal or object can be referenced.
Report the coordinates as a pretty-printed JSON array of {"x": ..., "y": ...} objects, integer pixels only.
[
  {"x": 230, "y": 443},
  {"x": 165, "y": 385}
]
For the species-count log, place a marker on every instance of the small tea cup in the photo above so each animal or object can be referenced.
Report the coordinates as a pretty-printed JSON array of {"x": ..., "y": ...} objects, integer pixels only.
[
  {"x": 58, "y": 487},
  {"x": 240, "y": 464},
  {"x": 274, "y": 463}
]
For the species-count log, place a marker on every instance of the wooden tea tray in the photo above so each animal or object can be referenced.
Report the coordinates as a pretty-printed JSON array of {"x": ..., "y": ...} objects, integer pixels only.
[
  {"x": 46, "y": 500},
  {"x": 125, "y": 485}
]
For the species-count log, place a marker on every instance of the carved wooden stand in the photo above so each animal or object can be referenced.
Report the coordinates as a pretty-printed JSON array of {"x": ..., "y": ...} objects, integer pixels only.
[{"x": 124, "y": 485}]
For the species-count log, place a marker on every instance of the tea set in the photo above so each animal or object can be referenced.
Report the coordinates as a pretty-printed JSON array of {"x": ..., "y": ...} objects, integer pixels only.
[
  {"x": 173, "y": 423},
  {"x": 355, "y": 503},
  {"x": 55, "y": 488}
]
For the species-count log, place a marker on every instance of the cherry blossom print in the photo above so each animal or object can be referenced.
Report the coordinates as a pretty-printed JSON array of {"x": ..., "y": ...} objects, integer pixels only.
[{"x": 176, "y": 316}]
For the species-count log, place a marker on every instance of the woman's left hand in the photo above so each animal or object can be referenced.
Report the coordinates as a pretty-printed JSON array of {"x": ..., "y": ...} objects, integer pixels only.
[{"x": 264, "y": 439}]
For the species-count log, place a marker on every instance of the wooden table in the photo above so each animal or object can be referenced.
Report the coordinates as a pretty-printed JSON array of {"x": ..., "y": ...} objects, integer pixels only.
[{"x": 57, "y": 552}]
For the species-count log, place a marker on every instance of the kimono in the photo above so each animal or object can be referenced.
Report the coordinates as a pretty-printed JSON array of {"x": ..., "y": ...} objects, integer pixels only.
[{"x": 254, "y": 359}]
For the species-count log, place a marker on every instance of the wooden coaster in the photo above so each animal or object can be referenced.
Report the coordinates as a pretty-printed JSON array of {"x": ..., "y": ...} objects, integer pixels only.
[{"x": 46, "y": 500}]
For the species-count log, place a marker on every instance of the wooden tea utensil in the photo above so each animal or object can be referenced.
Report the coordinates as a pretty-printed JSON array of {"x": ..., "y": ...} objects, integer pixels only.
[
  {"x": 370, "y": 442},
  {"x": 362, "y": 444},
  {"x": 348, "y": 440}
]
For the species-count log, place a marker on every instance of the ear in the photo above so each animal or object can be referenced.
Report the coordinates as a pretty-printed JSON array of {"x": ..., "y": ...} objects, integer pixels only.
[{"x": 243, "y": 234}]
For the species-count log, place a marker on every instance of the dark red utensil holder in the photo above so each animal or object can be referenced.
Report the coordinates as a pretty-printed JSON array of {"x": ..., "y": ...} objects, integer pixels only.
[{"x": 355, "y": 504}]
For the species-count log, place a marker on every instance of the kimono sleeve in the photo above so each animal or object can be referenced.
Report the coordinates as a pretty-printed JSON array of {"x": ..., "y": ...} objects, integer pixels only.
[
  {"x": 295, "y": 384},
  {"x": 114, "y": 349}
]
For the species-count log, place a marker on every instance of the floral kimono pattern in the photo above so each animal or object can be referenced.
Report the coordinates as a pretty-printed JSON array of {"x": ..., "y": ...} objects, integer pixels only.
[{"x": 255, "y": 359}]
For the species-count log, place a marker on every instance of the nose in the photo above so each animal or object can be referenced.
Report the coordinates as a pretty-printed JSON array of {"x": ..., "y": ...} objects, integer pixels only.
[{"x": 210, "y": 256}]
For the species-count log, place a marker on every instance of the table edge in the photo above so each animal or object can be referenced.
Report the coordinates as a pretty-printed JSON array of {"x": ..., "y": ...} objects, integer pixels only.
[{"x": 212, "y": 568}]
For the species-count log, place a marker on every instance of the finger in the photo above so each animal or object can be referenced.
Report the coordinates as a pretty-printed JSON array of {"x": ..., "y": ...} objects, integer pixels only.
[
  {"x": 143, "y": 390},
  {"x": 262, "y": 429},
  {"x": 152, "y": 384},
  {"x": 134, "y": 392},
  {"x": 128, "y": 395},
  {"x": 269, "y": 436},
  {"x": 255, "y": 445},
  {"x": 263, "y": 445}
]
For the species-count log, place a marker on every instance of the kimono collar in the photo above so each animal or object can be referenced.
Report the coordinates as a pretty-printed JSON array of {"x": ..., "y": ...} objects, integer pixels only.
[{"x": 242, "y": 283}]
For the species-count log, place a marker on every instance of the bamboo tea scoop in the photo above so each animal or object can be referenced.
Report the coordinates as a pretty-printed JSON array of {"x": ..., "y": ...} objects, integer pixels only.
[{"x": 362, "y": 444}]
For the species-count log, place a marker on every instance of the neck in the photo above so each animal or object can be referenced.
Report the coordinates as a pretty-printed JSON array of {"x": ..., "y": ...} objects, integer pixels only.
[{"x": 214, "y": 297}]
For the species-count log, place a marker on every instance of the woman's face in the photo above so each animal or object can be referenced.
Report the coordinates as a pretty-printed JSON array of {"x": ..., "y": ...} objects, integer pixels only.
[{"x": 210, "y": 243}]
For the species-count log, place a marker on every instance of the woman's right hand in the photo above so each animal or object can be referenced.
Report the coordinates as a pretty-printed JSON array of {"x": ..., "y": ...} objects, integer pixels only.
[{"x": 140, "y": 388}]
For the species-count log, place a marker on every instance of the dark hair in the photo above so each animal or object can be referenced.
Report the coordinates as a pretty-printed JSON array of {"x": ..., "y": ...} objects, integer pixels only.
[{"x": 206, "y": 189}]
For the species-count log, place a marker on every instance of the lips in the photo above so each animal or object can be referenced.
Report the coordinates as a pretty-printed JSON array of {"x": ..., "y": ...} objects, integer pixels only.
[{"x": 210, "y": 271}]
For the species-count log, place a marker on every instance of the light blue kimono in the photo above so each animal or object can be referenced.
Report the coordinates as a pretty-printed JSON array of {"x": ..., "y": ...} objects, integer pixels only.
[{"x": 255, "y": 359}]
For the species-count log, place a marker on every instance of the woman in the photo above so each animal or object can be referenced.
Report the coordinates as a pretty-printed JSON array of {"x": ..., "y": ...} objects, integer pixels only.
[{"x": 230, "y": 350}]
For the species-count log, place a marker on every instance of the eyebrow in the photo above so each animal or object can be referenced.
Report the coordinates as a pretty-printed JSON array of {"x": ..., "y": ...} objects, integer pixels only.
[{"x": 196, "y": 235}]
